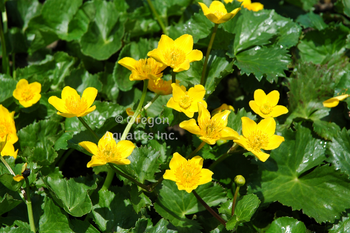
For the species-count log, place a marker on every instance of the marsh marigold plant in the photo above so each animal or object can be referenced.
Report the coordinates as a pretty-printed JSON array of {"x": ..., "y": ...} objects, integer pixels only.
[
  {"x": 108, "y": 151},
  {"x": 177, "y": 54},
  {"x": 8, "y": 135},
  {"x": 259, "y": 136},
  {"x": 186, "y": 101},
  {"x": 143, "y": 69},
  {"x": 72, "y": 105},
  {"x": 210, "y": 129},
  {"x": 217, "y": 12},
  {"x": 188, "y": 174},
  {"x": 255, "y": 6},
  {"x": 27, "y": 94},
  {"x": 266, "y": 105}
]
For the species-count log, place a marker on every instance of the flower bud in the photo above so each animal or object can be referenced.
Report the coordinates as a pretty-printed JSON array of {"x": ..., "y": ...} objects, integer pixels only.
[{"x": 239, "y": 180}]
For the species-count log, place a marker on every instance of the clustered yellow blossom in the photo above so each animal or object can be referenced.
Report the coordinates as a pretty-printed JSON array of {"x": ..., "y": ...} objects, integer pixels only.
[
  {"x": 108, "y": 151},
  {"x": 217, "y": 12},
  {"x": 186, "y": 101},
  {"x": 8, "y": 135},
  {"x": 188, "y": 174},
  {"x": 210, "y": 129},
  {"x": 27, "y": 94},
  {"x": 266, "y": 105},
  {"x": 223, "y": 107},
  {"x": 71, "y": 105}
]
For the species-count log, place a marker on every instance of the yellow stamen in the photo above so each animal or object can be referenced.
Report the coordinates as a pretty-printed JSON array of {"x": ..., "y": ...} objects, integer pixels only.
[
  {"x": 258, "y": 140},
  {"x": 188, "y": 174},
  {"x": 174, "y": 57},
  {"x": 185, "y": 101},
  {"x": 266, "y": 108},
  {"x": 76, "y": 105}
]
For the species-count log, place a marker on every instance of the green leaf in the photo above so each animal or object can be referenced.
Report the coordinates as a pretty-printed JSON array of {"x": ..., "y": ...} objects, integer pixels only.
[
  {"x": 339, "y": 150},
  {"x": 311, "y": 20},
  {"x": 72, "y": 195},
  {"x": 138, "y": 199},
  {"x": 37, "y": 140},
  {"x": 110, "y": 88},
  {"x": 341, "y": 227},
  {"x": 14, "y": 229},
  {"x": 8, "y": 181},
  {"x": 7, "y": 202},
  {"x": 264, "y": 61},
  {"x": 218, "y": 68},
  {"x": 22, "y": 11},
  {"x": 343, "y": 6},
  {"x": 104, "y": 34},
  {"x": 293, "y": 176},
  {"x": 53, "y": 219},
  {"x": 326, "y": 130},
  {"x": 113, "y": 210},
  {"x": 80, "y": 79},
  {"x": 319, "y": 47},
  {"x": 79, "y": 226},
  {"x": 306, "y": 5},
  {"x": 136, "y": 51},
  {"x": 281, "y": 225},
  {"x": 8, "y": 85},
  {"x": 56, "y": 17},
  {"x": 174, "y": 204},
  {"x": 144, "y": 164},
  {"x": 244, "y": 210}
]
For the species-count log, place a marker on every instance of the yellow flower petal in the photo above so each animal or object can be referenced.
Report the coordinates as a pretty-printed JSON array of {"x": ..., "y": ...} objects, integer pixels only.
[
  {"x": 267, "y": 125},
  {"x": 176, "y": 161},
  {"x": 169, "y": 175},
  {"x": 217, "y": 6},
  {"x": 198, "y": 160},
  {"x": 68, "y": 92},
  {"x": 89, "y": 146},
  {"x": 89, "y": 95},
  {"x": 128, "y": 62},
  {"x": 190, "y": 126},
  {"x": 274, "y": 142},
  {"x": 217, "y": 12},
  {"x": 334, "y": 101},
  {"x": 248, "y": 126},
  {"x": 229, "y": 134},
  {"x": 58, "y": 103},
  {"x": 125, "y": 148},
  {"x": 96, "y": 161},
  {"x": 27, "y": 94},
  {"x": 203, "y": 115},
  {"x": 9, "y": 150},
  {"x": 18, "y": 178},
  {"x": 260, "y": 97},
  {"x": 165, "y": 42},
  {"x": 273, "y": 98},
  {"x": 195, "y": 55},
  {"x": 278, "y": 111},
  {"x": 266, "y": 105},
  {"x": 206, "y": 176},
  {"x": 262, "y": 156},
  {"x": 185, "y": 42}
]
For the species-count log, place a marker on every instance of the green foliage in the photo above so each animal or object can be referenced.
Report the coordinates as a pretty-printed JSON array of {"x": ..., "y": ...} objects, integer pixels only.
[{"x": 299, "y": 48}]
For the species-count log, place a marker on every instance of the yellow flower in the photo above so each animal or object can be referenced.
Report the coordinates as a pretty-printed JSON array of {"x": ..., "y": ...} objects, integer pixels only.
[
  {"x": 8, "y": 134},
  {"x": 72, "y": 105},
  {"x": 143, "y": 68},
  {"x": 27, "y": 94},
  {"x": 186, "y": 101},
  {"x": 217, "y": 12},
  {"x": 210, "y": 130},
  {"x": 108, "y": 151},
  {"x": 223, "y": 107},
  {"x": 177, "y": 54},
  {"x": 334, "y": 101},
  {"x": 160, "y": 86},
  {"x": 259, "y": 136},
  {"x": 266, "y": 105},
  {"x": 255, "y": 6},
  {"x": 187, "y": 174}
]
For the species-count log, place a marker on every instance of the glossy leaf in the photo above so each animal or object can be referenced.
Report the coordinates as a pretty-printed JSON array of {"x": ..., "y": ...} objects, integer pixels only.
[
  {"x": 8, "y": 85},
  {"x": 311, "y": 20},
  {"x": 293, "y": 176},
  {"x": 342, "y": 227},
  {"x": 280, "y": 225}
]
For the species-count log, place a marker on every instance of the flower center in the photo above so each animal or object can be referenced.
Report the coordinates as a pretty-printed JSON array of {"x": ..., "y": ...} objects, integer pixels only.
[
  {"x": 185, "y": 101},
  {"x": 108, "y": 151},
  {"x": 27, "y": 94},
  {"x": 212, "y": 129},
  {"x": 188, "y": 174},
  {"x": 75, "y": 105},
  {"x": 174, "y": 57},
  {"x": 258, "y": 140},
  {"x": 146, "y": 67},
  {"x": 4, "y": 129},
  {"x": 219, "y": 14},
  {"x": 266, "y": 108}
]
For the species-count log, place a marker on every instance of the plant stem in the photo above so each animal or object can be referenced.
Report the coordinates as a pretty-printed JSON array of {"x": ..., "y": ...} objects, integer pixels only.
[
  {"x": 224, "y": 156},
  {"x": 108, "y": 180},
  {"x": 137, "y": 112},
  {"x": 29, "y": 207},
  {"x": 203, "y": 79},
  {"x": 173, "y": 76},
  {"x": 157, "y": 17},
  {"x": 235, "y": 200},
  {"x": 5, "y": 61},
  {"x": 88, "y": 128},
  {"x": 7, "y": 165},
  {"x": 146, "y": 187},
  {"x": 14, "y": 66},
  {"x": 196, "y": 150},
  {"x": 209, "y": 209},
  {"x": 150, "y": 103}
]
